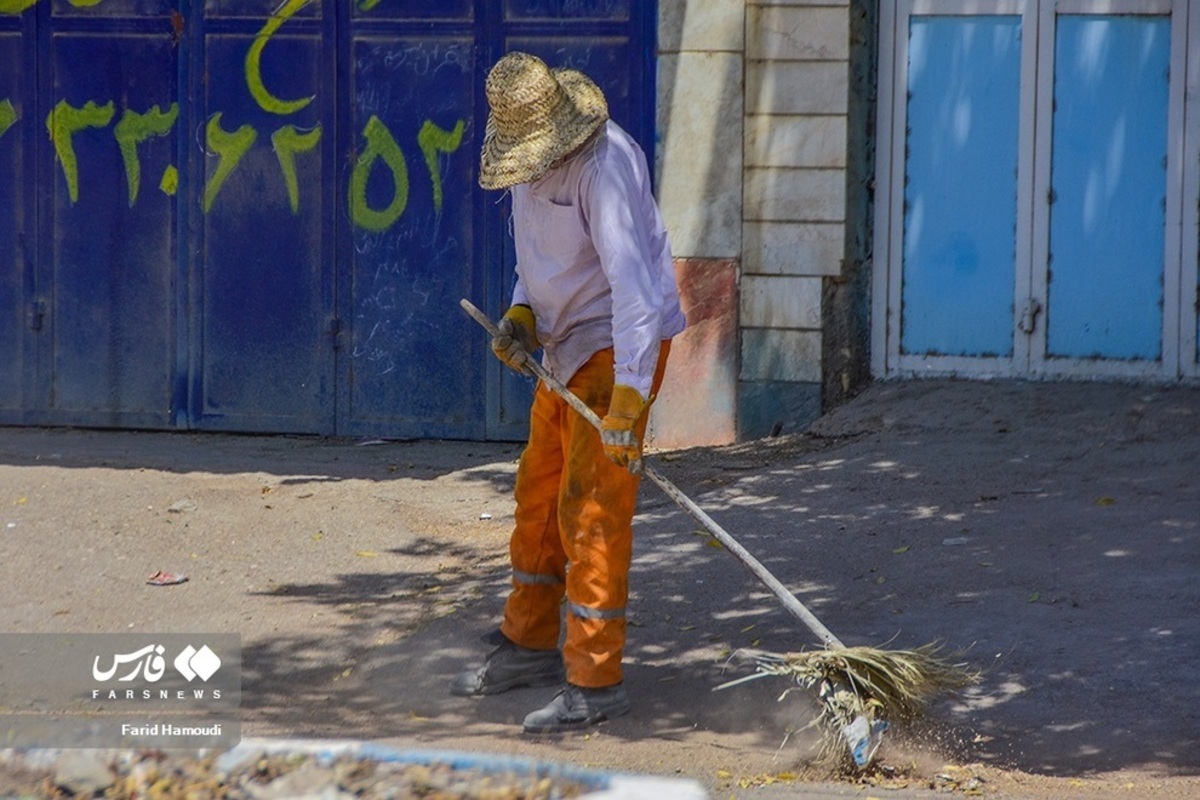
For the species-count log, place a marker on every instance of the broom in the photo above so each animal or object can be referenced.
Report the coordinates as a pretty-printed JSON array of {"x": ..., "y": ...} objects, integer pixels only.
[{"x": 859, "y": 688}]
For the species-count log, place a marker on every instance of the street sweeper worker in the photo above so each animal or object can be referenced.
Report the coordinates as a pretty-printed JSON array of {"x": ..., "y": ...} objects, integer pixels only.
[{"x": 596, "y": 293}]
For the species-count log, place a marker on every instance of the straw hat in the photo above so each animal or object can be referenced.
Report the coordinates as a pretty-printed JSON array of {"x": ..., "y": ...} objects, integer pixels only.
[{"x": 537, "y": 116}]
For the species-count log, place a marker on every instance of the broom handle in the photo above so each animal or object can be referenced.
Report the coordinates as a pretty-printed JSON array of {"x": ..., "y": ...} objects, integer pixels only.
[{"x": 789, "y": 601}]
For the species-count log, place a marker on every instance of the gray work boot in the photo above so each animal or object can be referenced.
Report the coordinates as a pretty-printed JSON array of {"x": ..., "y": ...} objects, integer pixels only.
[
  {"x": 575, "y": 707},
  {"x": 509, "y": 666}
]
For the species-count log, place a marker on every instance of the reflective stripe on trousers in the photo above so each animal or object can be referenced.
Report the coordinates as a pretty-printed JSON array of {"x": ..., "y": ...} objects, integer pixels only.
[{"x": 574, "y": 506}]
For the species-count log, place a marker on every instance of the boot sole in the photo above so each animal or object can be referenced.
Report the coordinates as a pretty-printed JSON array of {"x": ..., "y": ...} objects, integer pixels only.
[{"x": 603, "y": 715}]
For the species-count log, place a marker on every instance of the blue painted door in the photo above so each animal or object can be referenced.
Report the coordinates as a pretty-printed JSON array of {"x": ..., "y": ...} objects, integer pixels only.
[
  {"x": 107, "y": 232},
  {"x": 1032, "y": 189},
  {"x": 264, "y": 165},
  {"x": 961, "y": 188},
  {"x": 1108, "y": 188},
  {"x": 16, "y": 258},
  {"x": 412, "y": 364},
  {"x": 259, "y": 215}
]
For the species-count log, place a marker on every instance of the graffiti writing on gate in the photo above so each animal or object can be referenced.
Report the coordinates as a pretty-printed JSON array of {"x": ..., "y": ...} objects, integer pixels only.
[{"x": 132, "y": 127}]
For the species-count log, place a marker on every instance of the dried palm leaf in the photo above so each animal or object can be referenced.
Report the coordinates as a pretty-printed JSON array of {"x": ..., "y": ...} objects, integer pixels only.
[{"x": 860, "y": 690}]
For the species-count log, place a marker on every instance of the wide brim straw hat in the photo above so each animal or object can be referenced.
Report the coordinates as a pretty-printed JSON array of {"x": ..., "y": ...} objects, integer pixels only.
[{"x": 537, "y": 116}]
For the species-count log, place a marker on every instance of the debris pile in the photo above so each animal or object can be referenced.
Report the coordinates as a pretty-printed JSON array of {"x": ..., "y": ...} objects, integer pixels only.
[{"x": 156, "y": 775}]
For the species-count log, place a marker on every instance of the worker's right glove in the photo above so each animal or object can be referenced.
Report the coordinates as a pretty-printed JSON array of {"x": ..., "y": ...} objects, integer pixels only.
[
  {"x": 617, "y": 432},
  {"x": 516, "y": 339}
]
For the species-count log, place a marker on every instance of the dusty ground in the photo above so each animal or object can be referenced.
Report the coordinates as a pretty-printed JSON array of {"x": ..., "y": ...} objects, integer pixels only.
[{"x": 1053, "y": 531}]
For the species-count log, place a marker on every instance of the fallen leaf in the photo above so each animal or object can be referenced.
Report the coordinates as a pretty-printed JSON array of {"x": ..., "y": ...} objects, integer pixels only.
[
  {"x": 881, "y": 579},
  {"x": 724, "y": 774},
  {"x": 1033, "y": 598},
  {"x": 1105, "y": 501},
  {"x": 900, "y": 550},
  {"x": 366, "y": 553},
  {"x": 750, "y": 627},
  {"x": 715, "y": 543}
]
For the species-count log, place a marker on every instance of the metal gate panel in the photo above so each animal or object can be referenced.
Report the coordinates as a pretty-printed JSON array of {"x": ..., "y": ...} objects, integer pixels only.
[
  {"x": 1108, "y": 188},
  {"x": 960, "y": 188},
  {"x": 600, "y": 38},
  {"x": 264, "y": 280},
  {"x": 110, "y": 103},
  {"x": 16, "y": 219},
  {"x": 608, "y": 59},
  {"x": 414, "y": 364}
]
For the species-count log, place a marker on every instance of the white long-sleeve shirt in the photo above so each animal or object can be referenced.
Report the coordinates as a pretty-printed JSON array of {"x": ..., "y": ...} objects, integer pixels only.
[{"x": 594, "y": 262}]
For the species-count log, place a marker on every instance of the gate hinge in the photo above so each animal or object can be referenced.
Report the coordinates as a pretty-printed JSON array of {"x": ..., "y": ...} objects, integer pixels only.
[
  {"x": 1028, "y": 322},
  {"x": 335, "y": 332},
  {"x": 37, "y": 314}
]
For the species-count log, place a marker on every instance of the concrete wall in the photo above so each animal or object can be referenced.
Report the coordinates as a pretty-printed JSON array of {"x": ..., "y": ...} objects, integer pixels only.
[{"x": 754, "y": 110}]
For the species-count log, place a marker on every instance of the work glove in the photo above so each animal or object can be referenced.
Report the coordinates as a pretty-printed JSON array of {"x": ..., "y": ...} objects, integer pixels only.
[
  {"x": 616, "y": 429},
  {"x": 516, "y": 339}
]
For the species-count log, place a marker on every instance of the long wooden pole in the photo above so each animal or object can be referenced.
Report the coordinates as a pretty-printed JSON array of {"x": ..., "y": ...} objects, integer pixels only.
[{"x": 789, "y": 600}]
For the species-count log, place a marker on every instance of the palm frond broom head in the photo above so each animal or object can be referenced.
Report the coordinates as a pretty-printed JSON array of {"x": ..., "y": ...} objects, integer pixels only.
[{"x": 860, "y": 690}]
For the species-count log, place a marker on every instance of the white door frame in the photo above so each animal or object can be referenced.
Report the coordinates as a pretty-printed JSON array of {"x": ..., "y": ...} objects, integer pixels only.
[{"x": 1189, "y": 293}]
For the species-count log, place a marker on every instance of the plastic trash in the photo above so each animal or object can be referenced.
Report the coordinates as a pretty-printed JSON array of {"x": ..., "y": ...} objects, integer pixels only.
[
  {"x": 864, "y": 737},
  {"x": 164, "y": 578}
]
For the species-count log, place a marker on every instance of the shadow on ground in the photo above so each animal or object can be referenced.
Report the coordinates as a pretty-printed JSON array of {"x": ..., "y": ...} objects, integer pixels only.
[{"x": 1049, "y": 532}]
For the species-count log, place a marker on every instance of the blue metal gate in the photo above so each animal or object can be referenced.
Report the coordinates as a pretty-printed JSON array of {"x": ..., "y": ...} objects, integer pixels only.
[{"x": 259, "y": 215}]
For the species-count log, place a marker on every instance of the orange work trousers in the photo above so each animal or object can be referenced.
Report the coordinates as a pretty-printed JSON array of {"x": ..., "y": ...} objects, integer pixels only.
[{"x": 574, "y": 531}]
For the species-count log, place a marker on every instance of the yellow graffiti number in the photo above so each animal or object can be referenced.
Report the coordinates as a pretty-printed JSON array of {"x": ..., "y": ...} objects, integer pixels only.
[
  {"x": 230, "y": 147},
  {"x": 433, "y": 140},
  {"x": 266, "y": 100},
  {"x": 16, "y": 6},
  {"x": 63, "y": 122},
  {"x": 288, "y": 141},
  {"x": 132, "y": 130},
  {"x": 20, "y": 6},
  {"x": 8, "y": 116},
  {"x": 380, "y": 145}
]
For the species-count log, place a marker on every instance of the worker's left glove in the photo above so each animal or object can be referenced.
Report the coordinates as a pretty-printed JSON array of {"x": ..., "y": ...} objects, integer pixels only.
[
  {"x": 516, "y": 338},
  {"x": 617, "y": 428}
]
